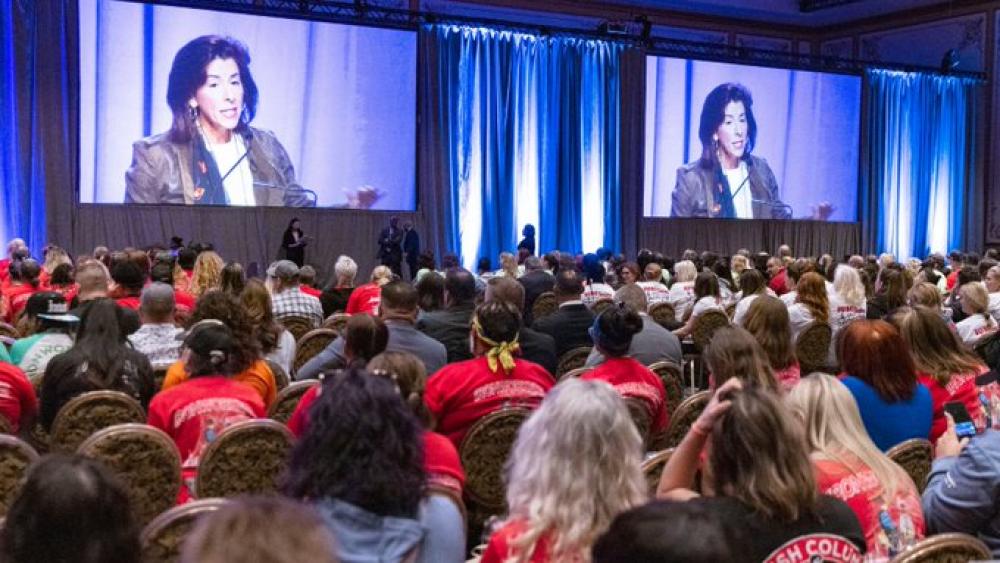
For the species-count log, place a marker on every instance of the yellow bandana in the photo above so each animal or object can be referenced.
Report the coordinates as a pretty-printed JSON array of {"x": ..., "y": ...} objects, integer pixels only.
[{"x": 503, "y": 351}]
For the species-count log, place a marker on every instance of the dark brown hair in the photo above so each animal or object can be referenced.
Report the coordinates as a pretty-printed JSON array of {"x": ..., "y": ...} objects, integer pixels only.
[
  {"x": 874, "y": 352},
  {"x": 767, "y": 320}
]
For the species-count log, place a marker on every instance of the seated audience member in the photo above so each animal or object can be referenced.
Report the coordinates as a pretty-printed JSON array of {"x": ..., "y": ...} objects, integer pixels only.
[
  {"x": 307, "y": 281},
  {"x": 777, "y": 276},
  {"x": 761, "y": 478},
  {"x": 508, "y": 265},
  {"x": 45, "y": 330},
  {"x": 793, "y": 273},
  {"x": 535, "y": 346},
  {"x": 569, "y": 324},
  {"x": 850, "y": 467},
  {"x": 365, "y": 298},
  {"x": 767, "y": 321},
  {"x": 360, "y": 463},
  {"x": 100, "y": 359},
  {"x": 961, "y": 492},
  {"x": 62, "y": 281},
  {"x": 263, "y": 530},
  {"x": 461, "y": 393},
  {"x": 847, "y": 303},
  {"x": 70, "y": 509},
  {"x": 129, "y": 281},
  {"x": 594, "y": 288},
  {"x": 812, "y": 304},
  {"x": 953, "y": 300},
  {"x": 890, "y": 293},
  {"x": 16, "y": 250},
  {"x": 398, "y": 312},
  {"x": 450, "y": 326},
  {"x": 651, "y": 344},
  {"x": 628, "y": 273},
  {"x": 24, "y": 283},
  {"x": 18, "y": 403},
  {"x": 163, "y": 272},
  {"x": 287, "y": 300},
  {"x": 878, "y": 370},
  {"x": 430, "y": 292},
  {"x": 94, "y": 281},
  {"x": 207, "y": 273},
  {"x": 194, "y": 412},
  {"x": 992, "y": 282},
  {"x": 426, "y": 263},
  {"x": 536, "y": 281},
  {"x": 978, "y": 322},
  {"x": 276, "y": 342},
  {"x": 232, "y": 279},
  {"x": 186, "y": 258},
  {"x": 681, "y": 294},
  {"x": 706, "y": 298},
  {"x": 223, "y": 307},
  {"x": 733, "y": 353},
  {"x": 334, "y": 298},
  {"x": 157, "y": 337},
  {"x": 612, "y": 333},
  {"x": 669, "y": 532},
  {"x": 945, "y": 366},
  {"x": 926, "y": 294},
  {"x": 574, "y": 467},
  {"x": 752, "y": 285},
  {"x": 724, "y": 275}
]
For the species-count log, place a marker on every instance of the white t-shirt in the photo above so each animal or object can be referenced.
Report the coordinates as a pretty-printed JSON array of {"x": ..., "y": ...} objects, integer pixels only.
[
  {"x": 799, "y": 317},
  {"x": 841, "y": 315},
  {"x": 239, "y": 183},
  {"x": 592, "y": 293},
  {"x": 995, "y": 305},
  {"x": 742, "y": 307},
  {"x": 739, "y": 186},
  {"x": 789, "y": 298},
  {"x": 973, "y": 328},
  {"x": 706, "y": 303},
  {"x": 284, "y": 354},
  {"x": 681, "y": 297},
  {"x": 656, "y": 292}
]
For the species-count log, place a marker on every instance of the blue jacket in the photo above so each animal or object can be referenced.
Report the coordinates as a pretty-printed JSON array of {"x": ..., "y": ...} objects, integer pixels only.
[{"x": 403, "y": 337}]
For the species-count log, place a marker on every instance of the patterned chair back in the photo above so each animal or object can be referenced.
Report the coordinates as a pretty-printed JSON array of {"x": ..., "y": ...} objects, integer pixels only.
[
  {"x": 946, "y": 548},
  {"x": 312, "y": 343},
  {"x": 15, "y": 458},
  {"x": 284, "y": 405},
  {"x": 163, "y": 538},
  {"x": 544, "y": 305},
  {"x": 246, "y": 458},
  {"x": 571, "y": 360},
  {"x": 85, "y": 414},
  {"x": 915, "y": 456},
  {"x": 813, "y": 346}
]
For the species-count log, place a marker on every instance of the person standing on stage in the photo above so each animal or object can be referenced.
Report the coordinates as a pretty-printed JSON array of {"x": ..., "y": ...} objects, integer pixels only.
[
  {"x": 411, "y": 247},
  {"x": 294, "y": 243},
  {"x": 390, "y": 246}
]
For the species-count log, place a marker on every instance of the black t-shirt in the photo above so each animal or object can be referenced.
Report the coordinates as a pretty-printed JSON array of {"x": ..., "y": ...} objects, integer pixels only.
[{"x": 763, "y": 536}]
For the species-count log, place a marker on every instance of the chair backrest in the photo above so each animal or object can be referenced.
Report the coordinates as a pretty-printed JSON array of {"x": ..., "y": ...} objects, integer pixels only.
[
  {"x": 246, "y": 458},
  {"x": 812, "y": 347},
  {"x": 281, "y": 379},
  {"x": 15, "y": 457},
  {"x": 705, "y": 326},
  {"x": 988, "y": 348},
  {"x": 575, "y": 373},
  {"x": 572, "y": 359},
  {"x": 652, "y": 468},
  {"x": 672, "y": 376},
  {"x": 312, "y": 343},
  {"x": 145, "y": 460},
  {"x": 163, "y": 538},
  {"x": 89, "y": 412},
  {"x": 945, "y": 548},
  {"x": 601, "y": 305},
  {"x": 337, "y": 322},
  {"x": 484, "y": 451},
  {"x": 6, "y": 426},
  {"x": 284, "y": 405},
  {"x": 297, "y": 325},
  {"x": 681, "y": 420},
  {"x": 664, "y": 314},
  {"x": 544, "y": 305},
  {"x": 915, "y": 456},
  {"x": 641, "y": 417}
]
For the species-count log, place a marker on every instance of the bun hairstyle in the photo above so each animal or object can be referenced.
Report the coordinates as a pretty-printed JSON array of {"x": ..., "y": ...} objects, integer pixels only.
[{"x": 613, "y": 330}]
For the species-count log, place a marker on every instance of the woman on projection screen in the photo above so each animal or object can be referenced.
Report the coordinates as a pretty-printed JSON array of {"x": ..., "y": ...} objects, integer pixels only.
[{"x": 727, "y": 181}]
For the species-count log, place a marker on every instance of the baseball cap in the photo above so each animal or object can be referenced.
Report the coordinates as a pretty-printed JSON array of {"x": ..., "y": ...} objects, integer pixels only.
[{"x": 283, "y": 269}]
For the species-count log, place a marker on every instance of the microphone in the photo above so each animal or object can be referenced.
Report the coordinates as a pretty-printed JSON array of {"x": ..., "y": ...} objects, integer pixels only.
[
  {"x": 779, "y": 210},
  {"x": 300, "y": 196}
]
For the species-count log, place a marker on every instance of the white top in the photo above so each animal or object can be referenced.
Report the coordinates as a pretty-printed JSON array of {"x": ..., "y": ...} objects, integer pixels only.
[
  {"x": 284, "y": 354},
  {"x": 656, "y": 292},
  {"x": 594, "y": 292},
  {"x": 789, "y": 298},
  {"x": 841, "y": 315},
  {"x": 799, "y": 317},
  {"x": 239, "y": 183},
  {"x": 974, "y": 328},
  {"x": 681, "y": 297},
  {"x": 739, "y": 186},
  {"x": 706, "y": 303},
  {"x": 742, "y": 307},
  {"x": 995, "y": 305}
]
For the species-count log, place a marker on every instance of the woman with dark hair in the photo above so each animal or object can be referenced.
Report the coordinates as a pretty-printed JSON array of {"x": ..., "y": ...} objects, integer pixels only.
[
  {"x": 891, "y": 287},
  {"x": 733, "y": 353},
  {"x": 430, "y": 291},
  {"x": 528, "y": 242},
  {"x": 707, "y": 297},
  {"x": 760, "y": 477},
  {"x": 24, "y": 282},
  {"x": 70, "y": 509},
  {"x": 210, "y": 399},
  {"x": 233, "y": 279},
  {"x": 99, "y": 359},
  {"x": 594, "y": 288},
  {"x": 62, "y": 281},
  {"x": 767, "y": 320},
  {"x": 879, "y": 371},
  {"x": 294, "y": 242},
  {"x": 276, "y": 342},
  {"x": 211, "y": 155},
  {"x": 628, "y": 273},
  {"x": 612, "y": 334},
  {"x": 752, "y": 285},
  {"x": 360, "y": 462}
]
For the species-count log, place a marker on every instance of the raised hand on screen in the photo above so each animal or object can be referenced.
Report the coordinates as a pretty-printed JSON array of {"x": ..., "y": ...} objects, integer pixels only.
[
  {"x": 364, "y": 197},
  {"x": 822, "y": 211}
]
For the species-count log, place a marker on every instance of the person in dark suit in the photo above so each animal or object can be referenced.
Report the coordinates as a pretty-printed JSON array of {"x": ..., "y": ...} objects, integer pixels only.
[
  {"x": 450, "y": 326},
  {"x": 568, "y": 326},
  {"x": 535, "y": 346},
  {"x": 294, "y": 243},
  {"x": 390, "y": 247},
  {"x": 536, "y": 281},
  {"x": 411, "y": 248}
]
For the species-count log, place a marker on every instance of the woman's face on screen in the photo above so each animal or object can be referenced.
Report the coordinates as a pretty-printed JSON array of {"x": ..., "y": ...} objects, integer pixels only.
[
  {"x": 220, "y": 99},
  {"x": 732, "y": 132}
]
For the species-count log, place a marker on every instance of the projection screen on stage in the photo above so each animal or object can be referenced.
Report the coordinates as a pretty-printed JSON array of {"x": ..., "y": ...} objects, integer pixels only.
[
  {"x": 743, "y": 142},
  {"x": 334, "y": 126}
]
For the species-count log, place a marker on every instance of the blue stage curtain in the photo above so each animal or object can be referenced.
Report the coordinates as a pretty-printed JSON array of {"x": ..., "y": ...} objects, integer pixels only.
[
  {"x": 529, "y": 134},
  {"x": 920, "y": 180}
]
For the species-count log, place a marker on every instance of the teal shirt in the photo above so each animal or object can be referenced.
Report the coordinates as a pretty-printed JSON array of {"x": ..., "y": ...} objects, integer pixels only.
[
  {"x": 21, "y": 347},
  {"x": 4, "y": 356}
]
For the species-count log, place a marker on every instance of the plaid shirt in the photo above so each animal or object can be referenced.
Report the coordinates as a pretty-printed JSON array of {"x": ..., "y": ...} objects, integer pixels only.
[{"x": 293, "y": 303}]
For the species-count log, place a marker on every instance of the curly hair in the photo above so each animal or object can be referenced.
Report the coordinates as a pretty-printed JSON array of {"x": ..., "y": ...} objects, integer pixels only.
[
  {"x": 207, "y": 274},
  {"x": 257, "y": 303},
  {"x": 363, "y": 446},
  {"x": 224, "y": 307}
]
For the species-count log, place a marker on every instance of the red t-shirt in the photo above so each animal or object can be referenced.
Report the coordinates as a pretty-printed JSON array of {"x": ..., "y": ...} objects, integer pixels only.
[
  {"x": 461, "y": 393},
  {"x": 310, "y": 291},
  {"x": 862, "y": 492},
  {"x": 18, "y": 403},
  {"x": 184, "y": 300},
  {"x": 17, "y": 298},
  {"x": 441, "y": 459},
  {"x": 961, "y": 389},
  {"x": 364, "y": 299},
  {"x": 499, "y": 549},
  {"x": 779, "y": 283},
  {"x": 632, "y": 379},
  {"x": 131, "y": 302},
  {"x": 789, "y": 377}
]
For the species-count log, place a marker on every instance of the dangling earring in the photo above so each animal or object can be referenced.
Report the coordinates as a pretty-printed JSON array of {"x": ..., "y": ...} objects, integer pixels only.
[
  {"x": 193, "y": 111},
  {"x": 715, "y": 143}
]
